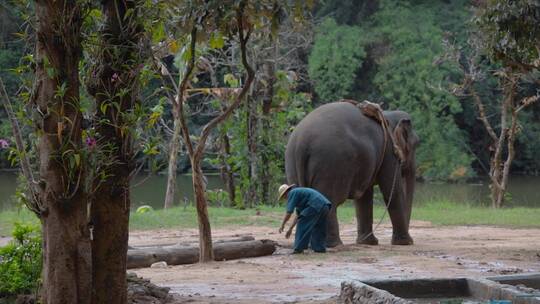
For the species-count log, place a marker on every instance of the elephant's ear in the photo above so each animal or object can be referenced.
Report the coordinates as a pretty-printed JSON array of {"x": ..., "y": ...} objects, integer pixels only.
[{"x": 402, "y": 134}]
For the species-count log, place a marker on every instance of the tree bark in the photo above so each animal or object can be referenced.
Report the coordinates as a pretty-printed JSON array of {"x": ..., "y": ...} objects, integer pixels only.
[
  {"x": 498, "y": 173},
  {"x": 173, "y": 155},
  {"x": 67, "y": 263},
  {"x": 269, "y": 72},
  {"x": 138, "y": 258},
  {"x": 226, "y": 173},
  {"x": 251, "y": 134},
  {"x": 114, "y": 88},
  {"x": 205, "y": 232}
]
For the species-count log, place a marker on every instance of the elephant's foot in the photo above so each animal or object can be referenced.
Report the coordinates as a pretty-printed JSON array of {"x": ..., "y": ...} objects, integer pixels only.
[
  {"x": 367, "y": 239},
  {"x": 333, "y": 242},
  {"x": 402, "y": 240}
]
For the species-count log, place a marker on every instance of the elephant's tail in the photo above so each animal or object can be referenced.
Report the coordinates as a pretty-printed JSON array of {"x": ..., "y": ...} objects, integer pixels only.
[{"x": 296, "y": 165}]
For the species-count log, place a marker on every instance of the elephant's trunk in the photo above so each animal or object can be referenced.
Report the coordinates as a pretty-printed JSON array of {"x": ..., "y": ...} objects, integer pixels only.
[{"x": 409, "y": 179}]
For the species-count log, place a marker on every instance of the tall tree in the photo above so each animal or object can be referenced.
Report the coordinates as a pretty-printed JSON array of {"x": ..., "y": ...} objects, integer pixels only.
[
  {"x": 116, "y": 63},
  {"x": 509, "y": 33},
  {"x": 196, "y": 151},
  {"x": 67, "y": 248}
]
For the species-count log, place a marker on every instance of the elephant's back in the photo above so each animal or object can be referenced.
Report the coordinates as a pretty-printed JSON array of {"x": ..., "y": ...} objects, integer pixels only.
[
  {"x": 336, "y": 140},
  {"x": 339, "y": 120}
]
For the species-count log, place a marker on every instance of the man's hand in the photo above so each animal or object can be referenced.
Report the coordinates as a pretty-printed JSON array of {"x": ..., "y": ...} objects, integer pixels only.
[
  {"x": 288, "y": 234},
  {"x": 285, "y": 219}
]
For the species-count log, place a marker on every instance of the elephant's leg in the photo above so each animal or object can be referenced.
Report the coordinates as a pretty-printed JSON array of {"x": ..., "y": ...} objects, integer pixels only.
[
  {"x": 364, "y": 218},
  {"x": 395, "y": 200},
  {"x": 332, "y": 228}
]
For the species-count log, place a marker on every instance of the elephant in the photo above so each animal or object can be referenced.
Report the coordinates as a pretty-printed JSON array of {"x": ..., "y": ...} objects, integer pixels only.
[{"x": 339, "y": 151}]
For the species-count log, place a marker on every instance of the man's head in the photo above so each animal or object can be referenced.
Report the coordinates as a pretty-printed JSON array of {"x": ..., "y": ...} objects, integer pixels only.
[{"x": 283, "y": 191}]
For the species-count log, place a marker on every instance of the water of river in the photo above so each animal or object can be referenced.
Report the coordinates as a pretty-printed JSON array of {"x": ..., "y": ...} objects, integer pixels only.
[{"x": 524, "y": 191}]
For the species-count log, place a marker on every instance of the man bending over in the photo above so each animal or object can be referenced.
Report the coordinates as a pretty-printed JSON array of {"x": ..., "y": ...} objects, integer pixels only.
[{"x": 311, "y": 210}]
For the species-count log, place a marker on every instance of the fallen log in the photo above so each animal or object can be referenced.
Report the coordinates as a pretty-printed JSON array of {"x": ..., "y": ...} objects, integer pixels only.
[
  {"x": 144, "y": 257},
  {"x": 241, "y": 238}
]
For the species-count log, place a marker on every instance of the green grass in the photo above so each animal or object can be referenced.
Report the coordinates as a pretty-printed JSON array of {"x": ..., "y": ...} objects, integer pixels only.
[
  {"x": 10, "y": 217},
  {"x": 219, "y": 217},
  {"x": 438, "y": 213}
]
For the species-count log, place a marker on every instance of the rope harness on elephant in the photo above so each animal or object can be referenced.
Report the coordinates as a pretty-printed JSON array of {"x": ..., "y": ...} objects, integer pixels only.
[{"x": 375, "y": 112}]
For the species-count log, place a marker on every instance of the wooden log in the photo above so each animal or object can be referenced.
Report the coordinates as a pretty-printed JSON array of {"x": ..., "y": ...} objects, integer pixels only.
[
  {"x": 144, "y": 257},
  {"x": 241, "y": 238}
]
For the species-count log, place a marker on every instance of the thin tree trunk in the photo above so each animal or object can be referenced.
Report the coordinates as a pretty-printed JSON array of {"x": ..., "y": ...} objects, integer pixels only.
[
  {"x": 196, "y": 154},
  {"x": 497, "y": 171},
  {"x": 206, "y": 252},
  {"x": 251, "y": 125},
  {"x": 225, "y": 170},
  {"x": 33, "y": 202},
  {"x": 115, "y": 83},
  {"x": 173, "y": 155},
  {"x": 268, "y": 96},
  {"x": 510, "y": 141},
  {"x": 67, "y": 263}
]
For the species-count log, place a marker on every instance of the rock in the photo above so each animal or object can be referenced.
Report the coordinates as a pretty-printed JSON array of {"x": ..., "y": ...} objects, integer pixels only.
[
  {"x": 142, "y": 291},
  {"x": 161, "y": 264}
]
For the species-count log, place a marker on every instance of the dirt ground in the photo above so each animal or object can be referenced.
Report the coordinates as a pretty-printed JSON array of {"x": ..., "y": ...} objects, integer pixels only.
[{"x": 457, "y": 251}]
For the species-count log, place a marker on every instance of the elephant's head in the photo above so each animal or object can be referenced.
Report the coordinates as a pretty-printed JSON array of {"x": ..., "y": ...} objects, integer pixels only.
[{"x": 407, "y": 140}]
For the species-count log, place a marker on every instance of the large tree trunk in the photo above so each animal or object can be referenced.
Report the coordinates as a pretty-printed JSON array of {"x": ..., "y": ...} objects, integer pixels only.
[
  {"x": 67, "y": 264},
  {"x": 173, "y": 155},
  {"x": 138, "y": 258},
  {"x": 115, "y": 88}
]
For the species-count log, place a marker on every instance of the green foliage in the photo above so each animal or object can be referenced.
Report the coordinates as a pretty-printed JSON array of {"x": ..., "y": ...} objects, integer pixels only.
[
  {"x": 21, "y": 262},
  {"x": 511, "y": 32},
  {"x": 144, "y": 209},
  {"x": 289, "y": 107},
  {"x": 351, "y": 12},
  {"x": 409, "y": 80},
  {"x": 336, "y": 57},
  {"x": 218, "y": 197}
]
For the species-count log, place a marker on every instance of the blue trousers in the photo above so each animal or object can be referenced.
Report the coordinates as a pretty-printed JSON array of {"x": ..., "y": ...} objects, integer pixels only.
[{"x": 311, "y": 230}]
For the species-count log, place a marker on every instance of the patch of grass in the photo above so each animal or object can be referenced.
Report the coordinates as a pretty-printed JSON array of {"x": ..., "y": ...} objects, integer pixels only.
[
  {"x": 448, "y": 213},
  {"x": 436, "y": 212},
  {"x": 219, "y": 217},
  {"x": 8, "y": 218}
]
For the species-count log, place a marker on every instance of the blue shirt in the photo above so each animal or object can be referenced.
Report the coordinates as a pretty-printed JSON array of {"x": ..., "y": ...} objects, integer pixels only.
[{"x": 301, "y": 198}]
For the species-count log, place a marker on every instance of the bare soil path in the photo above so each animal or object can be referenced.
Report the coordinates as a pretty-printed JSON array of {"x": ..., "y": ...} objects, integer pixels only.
[{"x": 450, "y": 251}]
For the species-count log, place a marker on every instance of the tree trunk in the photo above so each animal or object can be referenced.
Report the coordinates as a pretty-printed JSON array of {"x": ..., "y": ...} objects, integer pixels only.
[
  {"x": 196, "y": 154},
  {"x": 498, "y": 171},
  {"x": 268, "y": 95},
  {"x": 114, "y": 88},
  {"x": 205, "y": 237},
  {"x": 173, "y": 154},
  {"x": 67, "y": 264},
  {"x": 226, "y": 173},
  {"x": 251, "y": 126},
  {"x": 138, "y": 258}
]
